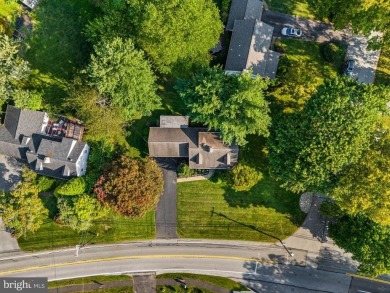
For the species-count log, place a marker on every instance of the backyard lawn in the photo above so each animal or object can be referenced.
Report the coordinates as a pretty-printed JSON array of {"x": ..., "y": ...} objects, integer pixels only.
[
  {"x": 117, "y": 229},
  {"x": 301, "y": 69},
  {"x": 300, "y": 8}
]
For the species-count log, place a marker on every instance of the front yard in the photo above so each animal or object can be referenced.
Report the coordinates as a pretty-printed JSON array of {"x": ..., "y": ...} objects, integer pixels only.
[
  {"x": 114, "y": 230},
  {"x": 242, "y": 215}
]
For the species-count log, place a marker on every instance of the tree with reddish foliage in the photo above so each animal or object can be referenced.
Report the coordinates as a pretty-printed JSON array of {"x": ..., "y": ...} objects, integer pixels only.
[{"x": 130, "y": 186}]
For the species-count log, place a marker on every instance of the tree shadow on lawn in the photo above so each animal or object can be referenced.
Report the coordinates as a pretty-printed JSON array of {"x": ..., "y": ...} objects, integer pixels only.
[
  {"x": 266, "y": 193},
  {"x": 58, "y": 45}
]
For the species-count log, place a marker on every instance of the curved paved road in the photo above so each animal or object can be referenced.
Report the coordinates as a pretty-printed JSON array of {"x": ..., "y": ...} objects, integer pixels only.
[{"x": 256, "y": 265}]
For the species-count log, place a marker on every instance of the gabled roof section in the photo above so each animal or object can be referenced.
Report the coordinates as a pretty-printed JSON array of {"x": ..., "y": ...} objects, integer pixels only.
[
  {"x": 204, "y": 149},
  {"x": 244, "y": 9},
  {"x": 240, "y": 44},
  {"x": 23, "y": 122}
]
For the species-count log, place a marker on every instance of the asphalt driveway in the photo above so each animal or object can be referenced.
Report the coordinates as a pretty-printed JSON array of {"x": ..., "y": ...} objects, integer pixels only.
[
  {"x": 315, "y": 31},
  {"x": 10, "y": 174},
  {"x": 166, "y": 213}
]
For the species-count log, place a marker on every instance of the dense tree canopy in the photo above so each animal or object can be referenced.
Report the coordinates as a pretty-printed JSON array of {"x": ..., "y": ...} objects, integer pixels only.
[
  {"x": 121, "y": 73},
  {"x": 308, "y": 149},
  {"x": 131, "y": 187},
  {"x": 80, "y": 212},
  {"x": 26, "y": 99},
  {"x": 232, "y": 104},
  {"x": 364, "y": 15},
  {"x": 174, "y": 33},
  {"x": 13, "y": 69},
  {"x": 367, "y": 241},
  {"x": 74, "y": 186},
  {"x": 365, "y": 186},
  {"x": 102, "y": 121},
  {"x": 22, "y": 209}
]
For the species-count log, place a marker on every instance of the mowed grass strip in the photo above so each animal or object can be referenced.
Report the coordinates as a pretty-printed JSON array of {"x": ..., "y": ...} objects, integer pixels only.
[
  {"x": 265, "y": 208},
  {"x": 117, "y": 229},
  {"x": 219, "y": 281},
  {"x": 88, "y": 280}
]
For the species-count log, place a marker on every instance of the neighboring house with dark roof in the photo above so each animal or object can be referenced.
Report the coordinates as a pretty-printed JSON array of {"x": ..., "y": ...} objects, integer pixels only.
[
  {"x": 49, "y": 148},
  {"x": 250, "y": 41},
  {"x": 204, "y": 149},
  {"x": 30, "y": 3}
]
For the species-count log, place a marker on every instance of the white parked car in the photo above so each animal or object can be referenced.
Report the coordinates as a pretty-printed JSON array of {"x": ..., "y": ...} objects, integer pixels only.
[{"x": 291, "y": 32}]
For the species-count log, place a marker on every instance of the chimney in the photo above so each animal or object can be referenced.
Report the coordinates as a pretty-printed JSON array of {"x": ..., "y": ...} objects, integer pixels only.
[{"x": 47, "y": 160}]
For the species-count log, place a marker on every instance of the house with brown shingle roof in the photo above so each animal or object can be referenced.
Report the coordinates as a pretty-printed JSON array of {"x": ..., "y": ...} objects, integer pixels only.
[{"x": 204, "y": 149}]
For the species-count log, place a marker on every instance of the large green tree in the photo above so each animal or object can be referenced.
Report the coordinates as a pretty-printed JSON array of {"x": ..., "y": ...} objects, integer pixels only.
[
  {"x": 13, "y": 69},
  {"x": 101, "y": 120},
  {"x": 232, "y": 104},
  {"x": 308, "y": 149},
  {"x": 365, "y": 186},
  {"x": 21, "y": 209},
  {"x": 80, "y": 212},
  {"x": 367, "y": 241},
  {"x": 365, "y": 16},
  {"x": 175, "y": 34},
  {"x": 131, "y": 187},
  {"x": 122, "y": 74}
]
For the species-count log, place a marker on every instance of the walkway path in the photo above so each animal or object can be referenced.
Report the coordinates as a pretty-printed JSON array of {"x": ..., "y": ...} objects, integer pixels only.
[
  {"x": 166, "y": 212},
  {"x": 197, "y": 178},
  {"x": 322, "y": 253}
]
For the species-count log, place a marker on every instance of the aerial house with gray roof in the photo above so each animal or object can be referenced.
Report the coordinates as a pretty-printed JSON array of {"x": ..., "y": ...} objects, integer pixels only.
[
  {"x": 204, "y": 149},
  {"x": 49, "y": 147},
  {"x": 251, "y": 40}
]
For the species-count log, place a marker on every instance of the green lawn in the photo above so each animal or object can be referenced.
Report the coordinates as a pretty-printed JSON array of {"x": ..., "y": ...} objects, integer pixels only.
[
  {"x": 300, "y": 8},
  {"x": 265, "y": 208},
  {"x": 219, "y": 281},
  {"x": 117, "y": 229},
  {"x": 383, "y": 69},
  {"x": 88, "y": 280},
  {"x": 301, "y": 69},
  {"x": 58, "y": 49}
]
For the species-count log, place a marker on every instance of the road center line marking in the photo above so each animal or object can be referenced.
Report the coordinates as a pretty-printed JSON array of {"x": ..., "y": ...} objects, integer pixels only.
[{"x": 130, "y": 257}]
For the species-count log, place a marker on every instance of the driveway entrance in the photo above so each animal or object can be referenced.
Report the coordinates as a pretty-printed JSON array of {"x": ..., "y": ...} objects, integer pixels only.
[{"x": 166, "y": 213}]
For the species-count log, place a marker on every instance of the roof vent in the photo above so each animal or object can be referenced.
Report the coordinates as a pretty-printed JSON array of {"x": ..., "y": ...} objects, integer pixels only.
[{"x": 47, "y": 160}]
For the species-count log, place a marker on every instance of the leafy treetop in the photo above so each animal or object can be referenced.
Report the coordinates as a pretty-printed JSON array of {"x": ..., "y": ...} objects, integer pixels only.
[
  {"x": 308, "y": 149},
  {"x": 131, "y": 187},
  {"x": 121, "y": 73},
  {"x": 232, "y": 104},
  {"x": 367, "y": 241}
]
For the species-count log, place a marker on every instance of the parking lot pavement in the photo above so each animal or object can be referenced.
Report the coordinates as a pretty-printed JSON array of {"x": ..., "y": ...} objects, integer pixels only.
[{"x": 366, "y": 60}]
